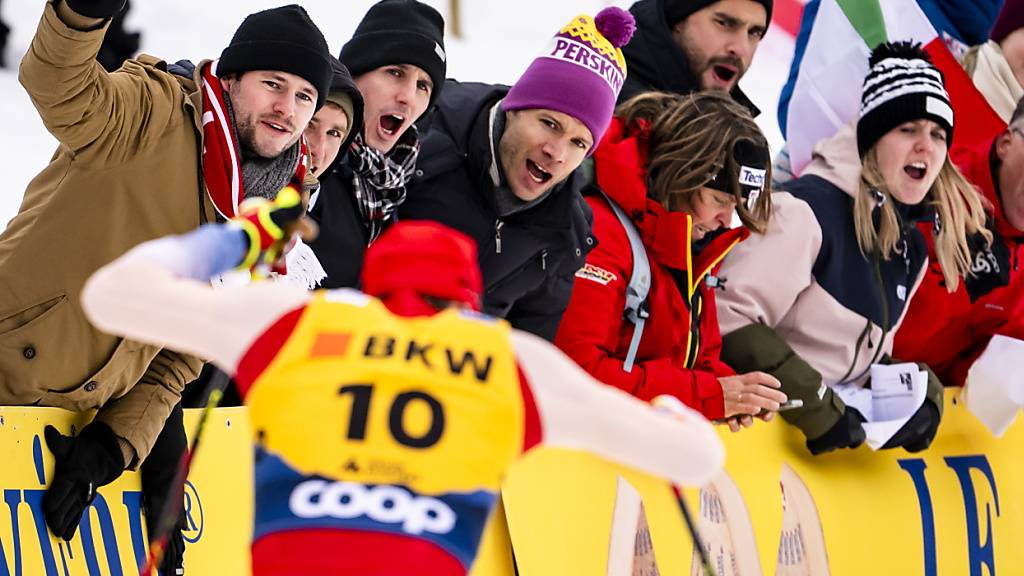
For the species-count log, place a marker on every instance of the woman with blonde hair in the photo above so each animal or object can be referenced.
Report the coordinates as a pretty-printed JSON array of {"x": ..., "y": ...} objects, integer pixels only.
[
  {"x": 671, "y": 171},
  {"x": 816, "y": 300}
]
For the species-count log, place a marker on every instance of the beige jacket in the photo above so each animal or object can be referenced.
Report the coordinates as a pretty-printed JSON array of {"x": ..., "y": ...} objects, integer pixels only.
[{"x": 127, "y": 170}]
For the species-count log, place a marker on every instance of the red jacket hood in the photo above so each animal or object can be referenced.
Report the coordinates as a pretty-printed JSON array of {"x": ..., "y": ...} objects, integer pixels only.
[
  {"x": 620, "y": 163},
  {"x": 974, "y": 162}
]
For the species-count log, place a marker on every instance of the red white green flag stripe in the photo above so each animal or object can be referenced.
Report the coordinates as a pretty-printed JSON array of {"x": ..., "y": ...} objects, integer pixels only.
[{"x": 827, "y": 91}]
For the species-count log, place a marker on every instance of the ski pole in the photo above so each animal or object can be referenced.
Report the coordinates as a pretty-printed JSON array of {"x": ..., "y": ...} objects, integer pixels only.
[
  {"x": 698, "y": 543},
  {"x": 168, "y": 516}
]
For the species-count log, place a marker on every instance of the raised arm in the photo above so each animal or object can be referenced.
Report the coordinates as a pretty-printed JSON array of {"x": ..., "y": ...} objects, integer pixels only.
[
  {"x": 579, "y": 412},
  {"x": 159, "y": 293},
  {"x": 86, "y": 108}
]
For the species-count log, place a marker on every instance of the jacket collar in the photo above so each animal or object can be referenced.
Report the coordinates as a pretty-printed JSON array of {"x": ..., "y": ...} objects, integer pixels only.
[
  {"x": 619, "y": 166},
  {"x": 836, "y": 159}
]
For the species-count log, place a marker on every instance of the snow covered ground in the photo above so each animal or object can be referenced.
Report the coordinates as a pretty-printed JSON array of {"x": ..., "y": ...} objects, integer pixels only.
[{"x": 499, "y": 41}]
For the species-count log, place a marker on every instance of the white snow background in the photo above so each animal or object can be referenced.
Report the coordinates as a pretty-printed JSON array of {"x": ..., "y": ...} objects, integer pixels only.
[{"x": 498, "y": 42}]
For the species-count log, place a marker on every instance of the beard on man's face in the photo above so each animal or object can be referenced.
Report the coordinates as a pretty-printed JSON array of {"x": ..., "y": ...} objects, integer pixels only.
[
  {"x": 246, "y": 125},
  {"x": 730, "y": 67},
  {"x": 246, "y": 131},
  {"x": 245, "y": 128}
]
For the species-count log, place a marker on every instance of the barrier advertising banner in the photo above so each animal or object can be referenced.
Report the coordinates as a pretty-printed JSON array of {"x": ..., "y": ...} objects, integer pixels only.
[
  {"x": 955, "y": 509},
  {"x": 111, "y": 539}
]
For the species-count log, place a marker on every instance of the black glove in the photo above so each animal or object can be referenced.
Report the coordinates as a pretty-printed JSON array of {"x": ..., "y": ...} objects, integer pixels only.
[
  {"x": 847, "y": 432},
  {"x": 918, "y": 432},
  {"x": 84, "y": 463},
  {"x": 96, "y": 8},
  {"x": 158, "y": 471}
]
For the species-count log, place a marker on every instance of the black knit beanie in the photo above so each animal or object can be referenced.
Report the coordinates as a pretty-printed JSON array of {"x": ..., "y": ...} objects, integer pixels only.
[
  {"x": 676, "y": 10},
  {"x": 345, "y": 94},
  {"x": 902, "y": 85},
  {"x": 283, "y": 39},
  {"x": 398, "y": 32}
]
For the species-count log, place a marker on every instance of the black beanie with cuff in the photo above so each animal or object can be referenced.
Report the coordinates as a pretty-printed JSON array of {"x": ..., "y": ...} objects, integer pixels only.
[
  {"x": 399, "y": 32},
  {"x": 676, "y": 10},
  {"x": 283, "y": 39}
]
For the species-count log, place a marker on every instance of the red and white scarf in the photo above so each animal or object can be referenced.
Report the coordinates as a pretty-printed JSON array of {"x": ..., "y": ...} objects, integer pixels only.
[{"x": 222, "y": 158}]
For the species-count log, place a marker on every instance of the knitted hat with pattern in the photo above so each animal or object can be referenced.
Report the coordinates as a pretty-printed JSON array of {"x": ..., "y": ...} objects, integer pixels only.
[
  {"x": 903, "y": 85},
  {"x": 580, "y": 73}
]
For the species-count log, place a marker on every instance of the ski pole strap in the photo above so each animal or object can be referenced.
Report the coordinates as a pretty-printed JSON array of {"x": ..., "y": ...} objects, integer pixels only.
[{"x": 639, "y": 283}]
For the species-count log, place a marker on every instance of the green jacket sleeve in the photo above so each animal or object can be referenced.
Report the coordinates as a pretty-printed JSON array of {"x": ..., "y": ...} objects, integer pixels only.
[{"x": 756, "y": 347}]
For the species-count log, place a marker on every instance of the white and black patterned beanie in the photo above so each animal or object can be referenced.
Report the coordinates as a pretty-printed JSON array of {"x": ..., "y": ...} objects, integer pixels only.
[{"x": 903, "y": 85}]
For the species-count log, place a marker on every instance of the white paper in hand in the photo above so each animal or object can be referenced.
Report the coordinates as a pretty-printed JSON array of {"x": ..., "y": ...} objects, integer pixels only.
[
  {"x": 994, "y": 390},
  {"x": 892, "y": 391},
  {"x": 897, "y": 391}
]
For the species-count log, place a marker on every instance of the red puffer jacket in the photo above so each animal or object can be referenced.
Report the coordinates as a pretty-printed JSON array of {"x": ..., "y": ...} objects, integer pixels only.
[
  {"x": 949, "y": 331},
  {"x": 679, "y": 350}
]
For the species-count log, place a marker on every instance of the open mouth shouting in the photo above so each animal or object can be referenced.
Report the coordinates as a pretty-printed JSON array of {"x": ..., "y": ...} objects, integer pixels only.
[
  {"x": 390, "y": 125},
  {"x": 724, "y": 73},
  {"x": 537, "y": 174},
  {"x": 916, "y": 170}
]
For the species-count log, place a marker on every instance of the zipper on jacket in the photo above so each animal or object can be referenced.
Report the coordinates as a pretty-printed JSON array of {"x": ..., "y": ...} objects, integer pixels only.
[
  {"x": 865, "y": 333},
  {"x": 693, "y": 346},
  {"x": 497, "y": 235},
  {"x": 544, "y": 260},
  {"x": 885, "y": 307}
]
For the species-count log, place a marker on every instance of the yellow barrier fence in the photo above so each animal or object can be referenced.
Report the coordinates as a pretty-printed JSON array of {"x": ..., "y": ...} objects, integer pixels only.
[
  {"x": 956, "y": 509},
  {"x": 111, "y": 539}
]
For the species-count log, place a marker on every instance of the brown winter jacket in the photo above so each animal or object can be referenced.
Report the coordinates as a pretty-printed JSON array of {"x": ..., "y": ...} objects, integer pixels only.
[{"x": 126, "y": 170}]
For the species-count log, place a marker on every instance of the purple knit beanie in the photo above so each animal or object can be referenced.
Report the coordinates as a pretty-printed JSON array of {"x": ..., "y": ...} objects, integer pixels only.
[
  {"x": 580, "y": 73},
  {"x": 1011, "y": 18}
]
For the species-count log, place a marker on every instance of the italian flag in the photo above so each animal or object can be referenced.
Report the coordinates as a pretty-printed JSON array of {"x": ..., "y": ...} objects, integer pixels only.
[{"x": 827, "y": 91}]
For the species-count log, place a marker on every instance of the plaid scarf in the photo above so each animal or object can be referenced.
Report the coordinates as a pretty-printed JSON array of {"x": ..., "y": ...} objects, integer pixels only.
[
  {"x": 380, "y": 179},
  {"x": 222, "y": 157}
]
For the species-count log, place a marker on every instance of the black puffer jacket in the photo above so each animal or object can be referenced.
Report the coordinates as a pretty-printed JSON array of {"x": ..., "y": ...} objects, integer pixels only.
[
  {"x": 655, "y": 62},
  {"x": 342, "y": 240},
  {"x": 528, "y": 279}
]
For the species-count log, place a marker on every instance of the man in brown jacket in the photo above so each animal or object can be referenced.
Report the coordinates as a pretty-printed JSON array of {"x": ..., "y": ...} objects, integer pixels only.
[{"x": 143, "y": 153}]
